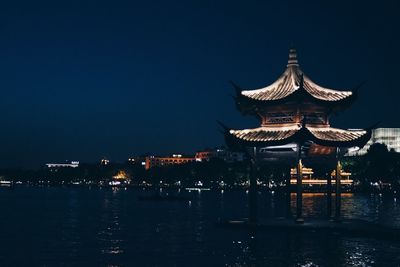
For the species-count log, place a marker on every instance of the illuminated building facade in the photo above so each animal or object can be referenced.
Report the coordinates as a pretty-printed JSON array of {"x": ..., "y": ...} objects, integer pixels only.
[
  {"x": 176, "y": 159},
  {"x": 72, "y": 164},
  {"x": 388, "y": 136},
  {"x": 153, "y": 161}
]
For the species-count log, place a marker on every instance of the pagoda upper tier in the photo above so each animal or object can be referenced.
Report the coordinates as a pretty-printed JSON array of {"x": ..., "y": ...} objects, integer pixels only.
[{"x": 293, "y": 86}]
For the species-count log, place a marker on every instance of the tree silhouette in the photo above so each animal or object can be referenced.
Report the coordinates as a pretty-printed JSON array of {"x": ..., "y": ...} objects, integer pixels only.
[{"x": 379, "y": 163}]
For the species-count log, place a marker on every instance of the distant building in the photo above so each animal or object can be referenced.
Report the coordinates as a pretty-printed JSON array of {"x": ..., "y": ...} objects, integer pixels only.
[
  {"x": 137, "y": 160},
  {"x": 200, "y": 156},
  {"x": 234, "y": 156},
  {"x": 388, "y": 136},
  {"x": 104, "y": 162},
  {"x": 72, "y": 164},
  {"x": 205, "y": 155},
  {"x": 220, "y": 153},
  {"x": 153, "y": 161},
  {"x": 229, "y": 156}
]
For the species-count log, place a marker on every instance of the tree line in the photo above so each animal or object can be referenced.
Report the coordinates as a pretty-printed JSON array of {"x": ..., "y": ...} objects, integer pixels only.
[{"x": 379, "y": 166}]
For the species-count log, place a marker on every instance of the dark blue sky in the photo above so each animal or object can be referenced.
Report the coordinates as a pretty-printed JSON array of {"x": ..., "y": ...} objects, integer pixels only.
[{"x": 87, "y": 79}]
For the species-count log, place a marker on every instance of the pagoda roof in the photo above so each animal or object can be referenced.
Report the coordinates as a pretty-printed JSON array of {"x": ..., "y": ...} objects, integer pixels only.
[
  {"x": 298, "y": 133},
  {"x": 293, "y": 84}
]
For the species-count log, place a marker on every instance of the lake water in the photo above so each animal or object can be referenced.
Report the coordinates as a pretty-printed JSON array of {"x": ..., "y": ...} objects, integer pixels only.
[{"x": 54, "y": 226}]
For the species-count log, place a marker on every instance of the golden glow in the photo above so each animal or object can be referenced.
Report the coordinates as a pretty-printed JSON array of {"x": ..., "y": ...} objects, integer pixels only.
[
  {"x": 121, "y": 175},
  {"x": 309, "y": 180},
  {"x": 309, "y": 194},
  {"x": 342, "y": 173},
  {"x": 309, "y": 171},
  {"x": 267, "y": 129},
  {"x": 322, "y": 181}
]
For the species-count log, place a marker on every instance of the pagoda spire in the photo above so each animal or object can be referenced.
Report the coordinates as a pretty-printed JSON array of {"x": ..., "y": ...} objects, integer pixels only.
[{"x": 292, "y": 58}]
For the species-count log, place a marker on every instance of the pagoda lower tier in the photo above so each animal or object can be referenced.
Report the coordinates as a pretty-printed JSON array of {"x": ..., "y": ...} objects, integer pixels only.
[{"x": 325, "y": 136}]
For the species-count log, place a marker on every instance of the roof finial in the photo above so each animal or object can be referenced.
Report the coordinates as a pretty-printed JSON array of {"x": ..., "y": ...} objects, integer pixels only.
[{"x": 292, "y": 58}]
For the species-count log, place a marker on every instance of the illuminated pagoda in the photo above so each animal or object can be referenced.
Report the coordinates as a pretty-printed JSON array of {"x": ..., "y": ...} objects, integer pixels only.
[
  {"x": 294, "y": 116},
  {"x": 309, "y": 180}
]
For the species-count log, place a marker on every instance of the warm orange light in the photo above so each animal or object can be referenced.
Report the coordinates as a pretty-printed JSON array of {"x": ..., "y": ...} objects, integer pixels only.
[
  {"x": 121, "y": 175},
  {"x": 321, "y": 181}
]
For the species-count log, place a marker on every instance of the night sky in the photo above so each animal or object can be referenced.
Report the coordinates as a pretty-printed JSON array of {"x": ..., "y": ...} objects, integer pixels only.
[{"x": 89, "y": 79}]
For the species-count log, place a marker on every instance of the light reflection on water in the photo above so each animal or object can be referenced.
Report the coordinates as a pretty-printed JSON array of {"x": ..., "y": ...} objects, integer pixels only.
[
  {"x": 110, "y": 234},
  {"x": 104, "y": 227}
]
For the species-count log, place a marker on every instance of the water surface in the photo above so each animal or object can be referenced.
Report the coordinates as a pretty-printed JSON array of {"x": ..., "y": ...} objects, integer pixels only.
[{"x": 55, "y": 226}]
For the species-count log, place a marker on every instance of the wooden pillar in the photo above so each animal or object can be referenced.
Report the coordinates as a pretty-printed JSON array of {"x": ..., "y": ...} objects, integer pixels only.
[
  {"x": 329, "y": 196},
  {"x": 338, "y": 191},
  {"x": 253, "y": 189},
  {"x": 299, "y": 191},
  {"x": 288, "y": 197}
]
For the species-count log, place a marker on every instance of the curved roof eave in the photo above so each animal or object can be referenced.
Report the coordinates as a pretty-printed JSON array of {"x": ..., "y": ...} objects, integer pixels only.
[
  {"x": 249, "y": 106},
  {"x": 321, "y": 136}
]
